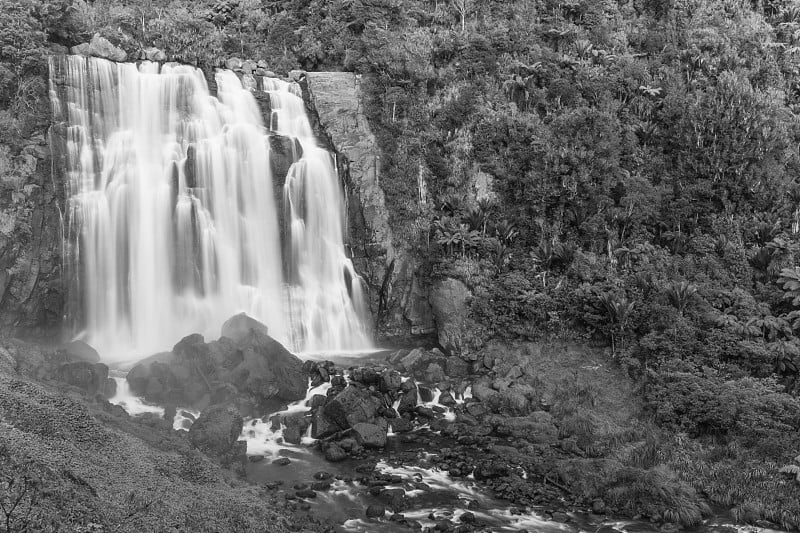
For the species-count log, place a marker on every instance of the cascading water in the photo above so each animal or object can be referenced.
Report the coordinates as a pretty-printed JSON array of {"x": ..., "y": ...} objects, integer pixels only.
[
  {"x": 172, "y": 225},
  {"x": 327, "y": 309}
]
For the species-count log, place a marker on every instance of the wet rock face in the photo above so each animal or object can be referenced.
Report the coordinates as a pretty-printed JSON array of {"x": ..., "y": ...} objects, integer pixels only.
[
  {"x": 31, "y": 292},
  {"x": 450, "y": 301},
  {"x": 389, "y": 270}
]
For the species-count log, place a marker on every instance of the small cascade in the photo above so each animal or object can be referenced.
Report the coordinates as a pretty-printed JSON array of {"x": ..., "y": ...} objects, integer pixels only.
[
  {"x": 326, "y": 295},
  {"x": 172, "y": 224},
  {"x": 264, "y": 436},
  {"x": 133, "y": 405}
]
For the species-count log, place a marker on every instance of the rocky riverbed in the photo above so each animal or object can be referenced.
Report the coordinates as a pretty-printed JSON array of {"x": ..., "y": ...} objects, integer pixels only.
[{"x": 387, "y": 441}]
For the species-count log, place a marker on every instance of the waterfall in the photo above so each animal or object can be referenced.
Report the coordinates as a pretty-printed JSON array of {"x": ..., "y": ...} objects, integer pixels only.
[{"x": 172, "y": 222}]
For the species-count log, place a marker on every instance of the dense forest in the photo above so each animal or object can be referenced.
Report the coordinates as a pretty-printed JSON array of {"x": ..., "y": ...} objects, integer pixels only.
[{"x": 642, "y": 160}]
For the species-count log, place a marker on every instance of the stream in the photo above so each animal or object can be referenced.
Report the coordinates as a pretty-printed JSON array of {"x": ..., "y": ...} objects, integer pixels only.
[{"x": 353, "y": 493}]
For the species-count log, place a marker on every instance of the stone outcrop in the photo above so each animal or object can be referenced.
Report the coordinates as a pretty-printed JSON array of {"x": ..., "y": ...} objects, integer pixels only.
[
  {"x": 254, "y": 369},
  {"x": 450, "y": 298},
  {"x": 31, "y": 293},
  {"x": 239, "y": 327},
  {"x": 100, "y": 47},
  {"x": 397, "y": 298},
  {"x": 217, "y": 429},
  {"x": 92, "y": 378}
]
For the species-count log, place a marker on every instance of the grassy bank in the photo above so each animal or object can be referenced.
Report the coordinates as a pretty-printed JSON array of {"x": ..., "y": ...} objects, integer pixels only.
[{"x": 68, "y": 465}]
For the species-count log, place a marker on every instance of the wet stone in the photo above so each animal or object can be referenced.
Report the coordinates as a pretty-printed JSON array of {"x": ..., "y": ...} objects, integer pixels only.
[
  {"x": 375, "y": 511},
  {"x": 322, "y": 485},
  {"x": 282, "y": 461},
  {"x": 323, "y": 476},
  {"x": 255, "y": 458},
  {"x": 306, "y": 493},
  {"x": 335, "y": 453}
]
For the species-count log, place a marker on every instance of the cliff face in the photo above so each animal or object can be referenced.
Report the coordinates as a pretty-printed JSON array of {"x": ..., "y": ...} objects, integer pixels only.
[
  {"x": 397, "y": 298},
  {"x": 31, "y": 295}
]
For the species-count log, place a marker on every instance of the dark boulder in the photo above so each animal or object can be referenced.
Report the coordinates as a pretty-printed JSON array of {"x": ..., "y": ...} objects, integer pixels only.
[
  {"x": 375, "y": 511},
  {"x": 455, "y": 367},
  {"x": 254, "y": 370},
  {"x": 415, "y": 359},
  {"x": 408, "y": 402},
  {"x": 80, "y": 351},
  {"x": 390, "y": 380},
  {"x": 321, "y": 426},
  {"x": 238, "y": 327},
  {"x": 335, "y": 453},
  {"x": 371, "y": 435},
  {"x": 283, "y": 153},
  {"x": 351, "y": 406},
  {"x": 401, "y": 425},
  {"x": 91, "y": 378},
  {"x": 296, "y": 427},
  {"x": 433, "y": 373},
  {"x": 447, "y": 399},
  {"x": 216, "y": 430},
  {"x": 268, "y": 370},
  {"x": 490, "y": 470}
]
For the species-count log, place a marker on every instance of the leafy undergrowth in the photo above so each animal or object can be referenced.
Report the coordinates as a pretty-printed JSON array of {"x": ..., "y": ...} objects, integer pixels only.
[{"x": 622, "y": 456}]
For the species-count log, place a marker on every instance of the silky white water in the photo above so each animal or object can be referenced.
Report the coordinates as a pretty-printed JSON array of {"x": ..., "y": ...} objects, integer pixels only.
[
  {"x": 327, "y": 310},
  {"x": 172, "y": 224}
]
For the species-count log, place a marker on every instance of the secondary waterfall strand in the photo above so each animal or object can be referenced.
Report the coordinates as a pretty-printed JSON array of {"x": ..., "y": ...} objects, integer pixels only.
[{"x": 326, "y": 297}]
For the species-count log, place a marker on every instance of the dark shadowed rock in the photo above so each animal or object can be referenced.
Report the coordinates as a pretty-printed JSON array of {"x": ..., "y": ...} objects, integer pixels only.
[
  {"x": 321, "y": 426},
  {"x": 351, "y": 406},
  {"x": 91, "y": 378},
  {"x": 401, "y": 425},
  {"x": 217, "y": 429},
  {"x": 283, "y": 153},
  {"x": 449, "y": 298},
  {"x": 335, "y": 453},
  {"x": 238, "y": 327},
  {"x": 455, "y": 367},
  {"x": 376, "y": 511},
  {"x": 434, "y": 373},
  {"x": 370, "y": 435},
  {"x": 390, "y": 380},
  {"x": 414, "y": 359},
  {"x": 268, "y": 370},
  {"x": 80, "y": 351},
  {"x": 408, "y": 402},
  {"x": 490, "y": 470}
]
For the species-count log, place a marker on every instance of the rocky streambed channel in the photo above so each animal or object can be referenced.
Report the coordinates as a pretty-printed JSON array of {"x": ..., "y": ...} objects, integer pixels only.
[{"x": 379, "y": 442}]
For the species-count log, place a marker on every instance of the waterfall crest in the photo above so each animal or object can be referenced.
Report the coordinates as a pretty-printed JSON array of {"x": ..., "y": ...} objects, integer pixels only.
[{"x": 172, "y": 222}]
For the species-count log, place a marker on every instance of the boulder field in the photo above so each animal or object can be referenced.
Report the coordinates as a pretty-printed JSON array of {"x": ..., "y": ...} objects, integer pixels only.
[{"x": 513, "y": 420}]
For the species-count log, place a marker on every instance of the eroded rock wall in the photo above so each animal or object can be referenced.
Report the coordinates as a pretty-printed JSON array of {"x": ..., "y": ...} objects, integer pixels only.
[
  {"x": 398, "y": 297},
  {"x": 31, "y": 293}
]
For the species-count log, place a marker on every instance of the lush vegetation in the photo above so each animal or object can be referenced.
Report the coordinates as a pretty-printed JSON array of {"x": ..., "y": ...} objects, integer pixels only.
[{"x": 618, "y": 171}]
